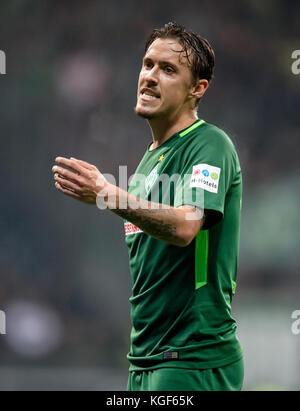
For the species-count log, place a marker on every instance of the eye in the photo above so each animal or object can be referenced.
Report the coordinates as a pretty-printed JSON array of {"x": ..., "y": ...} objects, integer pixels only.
[
  {"x": 148, "y": 64},
  {"x": 169, "y": 70}
]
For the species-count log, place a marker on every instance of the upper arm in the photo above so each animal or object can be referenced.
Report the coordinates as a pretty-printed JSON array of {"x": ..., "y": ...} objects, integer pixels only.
[
  {"x": 194, "y": 220},
  {"x": 209, "y": 169}
]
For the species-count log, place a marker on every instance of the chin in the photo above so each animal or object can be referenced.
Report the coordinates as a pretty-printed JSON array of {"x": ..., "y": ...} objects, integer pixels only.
[{"x": 144, "y": 113}]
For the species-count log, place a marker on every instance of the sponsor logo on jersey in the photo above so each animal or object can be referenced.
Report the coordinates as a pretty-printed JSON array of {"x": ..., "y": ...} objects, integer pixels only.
[
  {"x": 206, "y": 176},
  {"x": 131, "y": 229}
]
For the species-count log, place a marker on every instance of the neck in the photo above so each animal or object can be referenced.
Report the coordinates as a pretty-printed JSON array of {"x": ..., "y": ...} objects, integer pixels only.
[{"x": 163, "y": 129}]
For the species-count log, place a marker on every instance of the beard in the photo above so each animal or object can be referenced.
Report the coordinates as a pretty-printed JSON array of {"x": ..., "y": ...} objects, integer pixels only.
[
  {"x": 144, "y": 114},
  {"x": 147, "y": 114}
]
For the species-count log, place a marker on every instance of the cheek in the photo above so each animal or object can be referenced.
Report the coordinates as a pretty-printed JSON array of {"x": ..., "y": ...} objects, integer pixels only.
[
  {"x": 177, "y": 92},
  {"x": 140, "y": 78}
]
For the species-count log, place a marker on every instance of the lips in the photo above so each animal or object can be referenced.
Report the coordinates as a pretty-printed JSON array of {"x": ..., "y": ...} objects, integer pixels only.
[{"x": 149, "y": 93}]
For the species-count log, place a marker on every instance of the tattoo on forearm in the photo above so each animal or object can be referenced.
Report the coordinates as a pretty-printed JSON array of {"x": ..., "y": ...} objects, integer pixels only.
[
  {"x": 150, "y": 221},
  {"x": 157, "y": 227},
  {"x": 155, "y": 219}
]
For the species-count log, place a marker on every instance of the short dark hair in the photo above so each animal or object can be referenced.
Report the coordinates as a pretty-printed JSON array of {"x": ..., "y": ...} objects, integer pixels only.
[{"x": 197, "y": 49}]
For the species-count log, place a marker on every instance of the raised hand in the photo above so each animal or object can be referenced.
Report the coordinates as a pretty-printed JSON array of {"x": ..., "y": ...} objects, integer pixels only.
[{"x": 78, "y": 179}]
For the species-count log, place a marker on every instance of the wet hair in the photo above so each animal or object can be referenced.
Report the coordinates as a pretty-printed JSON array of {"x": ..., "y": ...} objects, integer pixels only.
[{"x": 197, "y": 50}]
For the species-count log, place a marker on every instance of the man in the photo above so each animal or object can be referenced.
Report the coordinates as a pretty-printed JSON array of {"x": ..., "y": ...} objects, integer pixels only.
[{"x": 183, "y": 247}]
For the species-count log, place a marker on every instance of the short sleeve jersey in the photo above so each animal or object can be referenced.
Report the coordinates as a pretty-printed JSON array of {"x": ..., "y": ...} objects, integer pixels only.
[{"x": 181, "y": 296}]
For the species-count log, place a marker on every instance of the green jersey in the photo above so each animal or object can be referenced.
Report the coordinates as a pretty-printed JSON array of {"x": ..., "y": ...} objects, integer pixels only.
[{"x": 181, "y": 296}]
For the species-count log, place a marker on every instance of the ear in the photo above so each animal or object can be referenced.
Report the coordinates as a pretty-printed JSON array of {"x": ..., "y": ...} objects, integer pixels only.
[{"x": 198, "y": 90}]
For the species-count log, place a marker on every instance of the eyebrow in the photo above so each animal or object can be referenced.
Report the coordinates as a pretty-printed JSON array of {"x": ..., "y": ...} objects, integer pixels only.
[{"x": 162, "y": 62}]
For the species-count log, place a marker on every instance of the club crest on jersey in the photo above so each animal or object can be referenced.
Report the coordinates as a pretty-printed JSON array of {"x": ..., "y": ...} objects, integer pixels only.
[
  {"x": 206, "y": 176},
  {"x": 151, "y": 178}
]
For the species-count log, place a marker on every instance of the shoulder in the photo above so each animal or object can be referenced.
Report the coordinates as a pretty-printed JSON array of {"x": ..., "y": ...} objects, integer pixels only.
[
  {"x": 211, "y": 140},
  {"x": 211, "y": 145},
  {"x": 214, "y": 136}
]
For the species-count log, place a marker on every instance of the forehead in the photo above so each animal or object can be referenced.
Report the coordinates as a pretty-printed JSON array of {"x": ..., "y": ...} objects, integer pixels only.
[{"x": 167, "y": 50}]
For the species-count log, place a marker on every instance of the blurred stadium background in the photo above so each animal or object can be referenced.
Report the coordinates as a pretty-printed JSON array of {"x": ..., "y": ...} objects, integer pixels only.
[{"x": 70, "y": 89}]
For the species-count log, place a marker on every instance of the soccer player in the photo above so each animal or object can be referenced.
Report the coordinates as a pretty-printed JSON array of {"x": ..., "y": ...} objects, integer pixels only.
[{"x": 183, "y": 238}]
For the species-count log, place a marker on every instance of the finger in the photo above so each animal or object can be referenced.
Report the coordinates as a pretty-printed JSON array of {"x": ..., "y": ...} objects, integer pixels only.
[
  {"x": 69, "y": 175},
  {"x": 79, "y": 183},
  {"x": 69, "y": 179},
  {"x": 73, "y": 165},
  {"x": 83, "y": 163},
  {"x": 66, "y": 191},
  {"x": 67, "y": 184}
]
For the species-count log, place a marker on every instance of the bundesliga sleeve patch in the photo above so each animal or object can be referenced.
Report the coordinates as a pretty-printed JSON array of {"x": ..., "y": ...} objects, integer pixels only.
[
  {"x": 206, "y": 177},
  {"x": 131, "y": 229}
]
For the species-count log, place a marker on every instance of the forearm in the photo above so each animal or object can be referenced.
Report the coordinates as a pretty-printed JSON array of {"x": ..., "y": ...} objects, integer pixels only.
[
  {"x": 84, "y": 182},
  {"x": 160, "y": 221}
]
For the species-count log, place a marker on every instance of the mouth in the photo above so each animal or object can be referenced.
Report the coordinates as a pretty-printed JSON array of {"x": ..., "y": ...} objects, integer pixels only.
[{"x": 149, "y": 95}]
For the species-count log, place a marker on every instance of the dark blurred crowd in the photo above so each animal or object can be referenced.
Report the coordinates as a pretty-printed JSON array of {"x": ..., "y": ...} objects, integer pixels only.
[{"x": 70, "y": 89}]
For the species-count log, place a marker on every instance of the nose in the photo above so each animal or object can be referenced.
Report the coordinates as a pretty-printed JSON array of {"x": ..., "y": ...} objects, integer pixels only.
[{"x": 151, "y": 76}]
